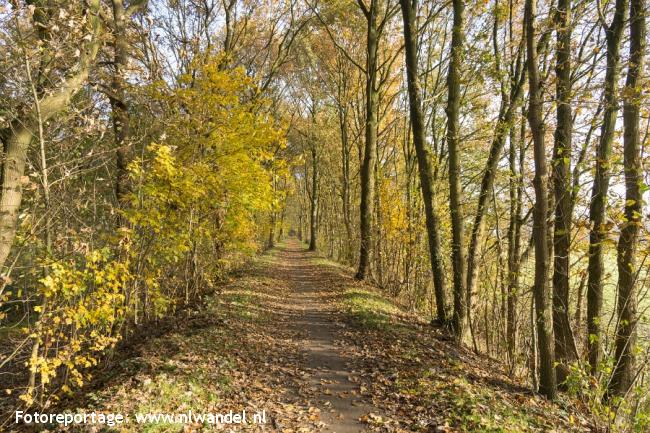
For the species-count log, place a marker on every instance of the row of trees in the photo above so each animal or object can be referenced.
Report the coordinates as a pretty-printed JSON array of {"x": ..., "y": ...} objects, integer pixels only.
[
  {"x": 144, "y": 155},
  {"x": 465, "y": 211}
]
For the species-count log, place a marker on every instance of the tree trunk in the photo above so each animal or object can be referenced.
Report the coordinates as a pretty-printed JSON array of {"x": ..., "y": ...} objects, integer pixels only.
[
  {"x": 117, "y": 98},
  {"x": 282, "y": 217},
  {"x": 270, "y": 243},
  {"x": 565, "y": 347},
  {"x": 598, "y": 205},
  {"x": 514, "y": 238},
  {"x": 544, "y": 318},
  {"x": 313, "y": 203},
  {"x": 229, "y": 37},
  {"x": 368, "y": 165},
  {"x": 509, "y": 102},
  {"x": 423, "y": 153},
  {"x": 345, "y": 176},
  {"x": 455, "y": 192},
  {"x": 626, "y": 332},
  {"x": 378, "y": 247}
]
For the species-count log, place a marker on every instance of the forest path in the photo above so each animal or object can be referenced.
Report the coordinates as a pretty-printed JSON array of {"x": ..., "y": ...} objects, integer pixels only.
[
  {"x": 295, "y": 337},
  {"x": 274, "y": 338},
  {"x": 311, "y": 312}
]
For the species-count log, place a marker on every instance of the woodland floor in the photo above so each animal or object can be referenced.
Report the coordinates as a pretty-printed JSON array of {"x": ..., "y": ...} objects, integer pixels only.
[{"x": 295, "y": 335}]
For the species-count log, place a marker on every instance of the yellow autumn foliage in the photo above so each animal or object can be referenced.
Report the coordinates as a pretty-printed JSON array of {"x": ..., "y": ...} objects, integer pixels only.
[
  {"x": 203, "y": 187},
  {"x": 202, "y": 194},
  {"x": 81, "y": 304}
]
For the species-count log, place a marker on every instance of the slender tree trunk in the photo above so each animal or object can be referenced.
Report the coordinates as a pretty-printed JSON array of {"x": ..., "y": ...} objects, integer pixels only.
[
  {"x": 117, "y": 98},
  {"x": 626, "y": 332},
  {"x": 229, "y": 38},
  {"x": 496, "y": 148},
  {"x": 313, "y": 204},
  {"x": 455, "y": 191},
  {"x": 345, "y": 177},
  {"x": 565, "y": 347},
  {"x": 47, "y": 203},
  {"x": 580, "y": 301},
  {"x": 409, "y": 12},
  {"x": 378, "y": 249},
  {"x": 368, "y": 164},
  {"x": 514, "y": 238},
  {"x": 282, "y": 216},
  {"x": 509, "y": 102},
  {"x": 598, "y": 205},
  {"x": 544, "y": 314},
  {"x": 270, "y": 243},
  {"x": 533, "y": 365}
]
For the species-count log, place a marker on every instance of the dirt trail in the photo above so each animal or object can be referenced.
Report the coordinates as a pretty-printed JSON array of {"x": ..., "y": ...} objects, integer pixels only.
[
  {"x": 316, "y": 321},
  {"x": 273, "y": 338}
]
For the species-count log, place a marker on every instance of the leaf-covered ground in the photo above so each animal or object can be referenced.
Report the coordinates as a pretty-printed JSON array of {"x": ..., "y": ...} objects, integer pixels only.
[{"x": 294, "y": 335}]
